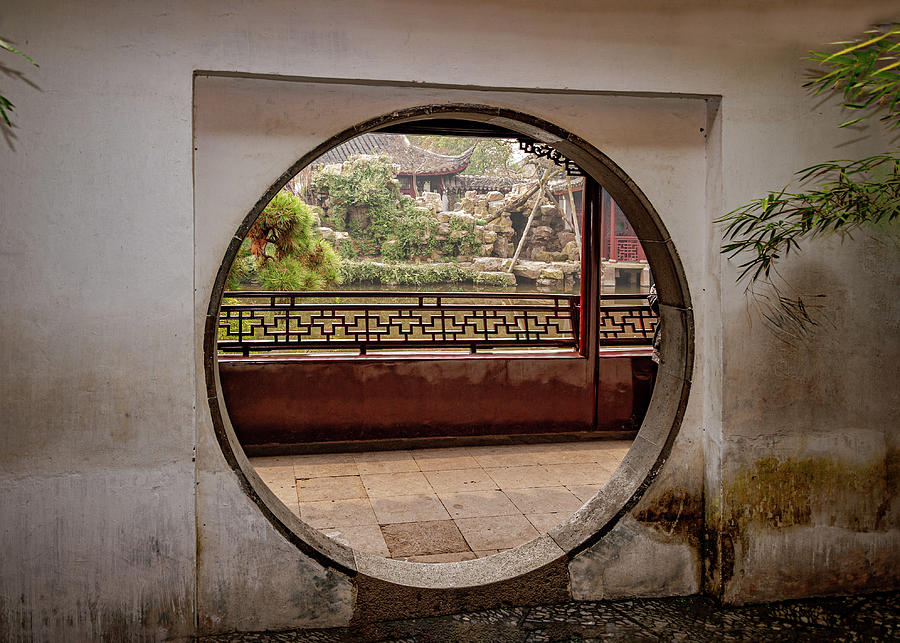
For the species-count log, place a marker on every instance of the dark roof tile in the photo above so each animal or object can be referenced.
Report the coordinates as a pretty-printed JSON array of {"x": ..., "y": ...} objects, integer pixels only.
[{"x": 411, "y": 159}]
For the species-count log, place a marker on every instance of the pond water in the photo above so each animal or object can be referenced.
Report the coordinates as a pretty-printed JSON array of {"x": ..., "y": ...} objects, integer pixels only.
[
  {"x": 526, "y": 287},
  {"x": 529, "y": 287}
]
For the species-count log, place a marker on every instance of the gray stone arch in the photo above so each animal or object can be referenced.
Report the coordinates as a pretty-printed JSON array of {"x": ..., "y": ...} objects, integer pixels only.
[{"x": 537, "y": 570}]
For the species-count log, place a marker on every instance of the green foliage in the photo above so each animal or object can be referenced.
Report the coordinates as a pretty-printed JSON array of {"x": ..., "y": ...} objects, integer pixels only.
[
  {"x": 283, "y": 229},
  {"x": 290, "y": 273},
  {"x": 318, "y": 212},
  {"x": 365, "y": 200},
  {"x": 495, "y": 279},
  {"x": 347, "y": 251},
  {"x": 282, "y": 252},
  {"x": 368, "y": 183},
  {"x": 462, "y": 240},
  {"x": 5, "y": 105},
  {"x": 853, "y": 193},
  {"x": 410, "y": 232},
  {"x": 492, "y": 156},
  {"x": 866, "y": 72},
  {"x": 243, "y": 269},
  {"x": 843, "y": 194},
  {"x": 365, "y": 272}
]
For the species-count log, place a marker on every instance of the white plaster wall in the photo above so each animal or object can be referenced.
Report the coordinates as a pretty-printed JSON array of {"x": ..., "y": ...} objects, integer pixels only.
[
  {"x": 248, "y": 131},
  {"x": 99, "y": 382}
]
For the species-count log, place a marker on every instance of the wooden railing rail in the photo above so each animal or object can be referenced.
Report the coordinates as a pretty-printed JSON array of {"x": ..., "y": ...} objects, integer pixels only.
[{"x": 362, "y": 321}]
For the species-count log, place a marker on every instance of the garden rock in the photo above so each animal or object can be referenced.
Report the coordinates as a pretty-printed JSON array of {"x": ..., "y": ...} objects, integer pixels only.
[
  {"x": 488, "y": 264},
  {"x": 529, "y": 269}
]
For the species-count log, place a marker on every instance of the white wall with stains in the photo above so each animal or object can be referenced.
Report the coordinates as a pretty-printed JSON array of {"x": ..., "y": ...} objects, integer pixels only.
[{"x": 249, "y": 130}]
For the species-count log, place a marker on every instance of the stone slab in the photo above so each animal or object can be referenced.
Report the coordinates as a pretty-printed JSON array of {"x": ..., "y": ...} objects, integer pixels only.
[{"x": 423, "y": 538}]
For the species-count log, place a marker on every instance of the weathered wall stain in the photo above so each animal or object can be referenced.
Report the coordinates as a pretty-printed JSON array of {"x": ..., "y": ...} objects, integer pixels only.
[
  {"x": 675, "y": 513},
  {"x": 617, "y": 565},
  {"x": 726, "y": 552},
  {"x": 806, "y": 560},
  {"x": 285, "y": 589},
  {"x": 795, "y": 527},
  {"x": 889, "y": 509},
  {"x": 154, "y": 621},
  {"x": 782, "y": 493}
]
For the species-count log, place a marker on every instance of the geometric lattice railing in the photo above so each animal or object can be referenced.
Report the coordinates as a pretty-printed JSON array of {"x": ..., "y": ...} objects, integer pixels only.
[
  {"x": 628, "y": 249},
  {"x": 625, "y": 323},
  {"x": 362, "y": 321}
]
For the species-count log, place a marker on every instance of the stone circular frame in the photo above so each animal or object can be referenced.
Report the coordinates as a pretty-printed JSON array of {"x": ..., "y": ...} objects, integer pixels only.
[{"x": 544, "y": 559}]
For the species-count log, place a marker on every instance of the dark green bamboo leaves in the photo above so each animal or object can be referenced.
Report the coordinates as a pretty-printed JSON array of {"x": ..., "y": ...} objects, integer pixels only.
[
  {"x": 5, "y": 105},
  {"x": 851, "y": 193},
  {"x": 844, "y": 194},
  {"x": 866, "y": 72}
]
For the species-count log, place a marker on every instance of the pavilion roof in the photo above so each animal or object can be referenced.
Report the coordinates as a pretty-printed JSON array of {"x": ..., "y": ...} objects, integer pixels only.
[{"x": 411, "y": 159}]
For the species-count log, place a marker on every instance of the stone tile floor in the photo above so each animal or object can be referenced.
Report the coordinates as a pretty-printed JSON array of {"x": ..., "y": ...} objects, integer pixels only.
[
  {"x": 441, "y": 505},
  {"x": 854, "y": 618}
]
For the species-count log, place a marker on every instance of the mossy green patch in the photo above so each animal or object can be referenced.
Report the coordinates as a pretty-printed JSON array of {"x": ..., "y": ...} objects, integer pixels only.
[
  {"x": 367, "y": 272},
  {"x": 782, "y": 493}
]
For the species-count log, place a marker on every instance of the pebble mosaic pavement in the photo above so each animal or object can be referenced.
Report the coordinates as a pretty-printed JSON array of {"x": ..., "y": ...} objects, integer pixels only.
[{"x": 874, "y": 617}]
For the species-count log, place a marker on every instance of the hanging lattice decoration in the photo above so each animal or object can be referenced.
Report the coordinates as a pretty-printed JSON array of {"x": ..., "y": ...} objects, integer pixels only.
[{"x": 543, "y": 150}]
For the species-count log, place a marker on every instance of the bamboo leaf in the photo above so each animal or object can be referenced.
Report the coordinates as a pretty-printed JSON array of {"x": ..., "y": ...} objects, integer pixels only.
[{"x": 8, "y": 47}]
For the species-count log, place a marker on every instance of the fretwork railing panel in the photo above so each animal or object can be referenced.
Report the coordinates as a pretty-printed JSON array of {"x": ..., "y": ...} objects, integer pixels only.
[
  {"x": 628, "y": 249},
  {"x": 625, "y": 322},
  {"x": 363, "y": 321}
]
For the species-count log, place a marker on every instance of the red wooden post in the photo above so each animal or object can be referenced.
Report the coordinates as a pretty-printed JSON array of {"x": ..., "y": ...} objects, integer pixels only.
[
  {"x": 604, "y": 224},
  {"x": 590, "y": 283},
  {"x": 613, "y": 243}
]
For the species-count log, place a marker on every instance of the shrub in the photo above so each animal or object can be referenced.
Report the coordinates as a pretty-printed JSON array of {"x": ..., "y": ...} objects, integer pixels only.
[
  {"x": 282, "y": 252},
  {"x": 404, "y": 274},
  {"x": 366, "y": 185}
]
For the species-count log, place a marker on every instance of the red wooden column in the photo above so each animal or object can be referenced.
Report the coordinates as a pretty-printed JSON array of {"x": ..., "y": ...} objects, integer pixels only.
[
  {"x": 590, "y": 284},
  {"x": 613, "y": 244}
]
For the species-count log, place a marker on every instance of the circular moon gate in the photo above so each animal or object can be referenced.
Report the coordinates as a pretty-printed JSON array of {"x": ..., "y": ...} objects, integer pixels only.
[{"x": 543, "y": 558}]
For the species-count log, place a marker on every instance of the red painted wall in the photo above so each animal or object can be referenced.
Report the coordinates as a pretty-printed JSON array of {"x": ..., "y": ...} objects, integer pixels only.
[{"x": 326, "y": 399}]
